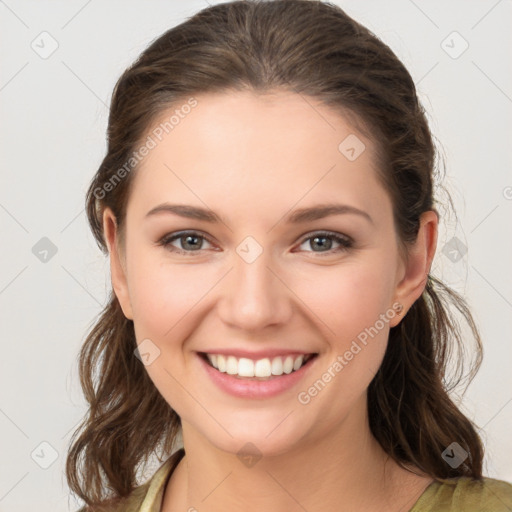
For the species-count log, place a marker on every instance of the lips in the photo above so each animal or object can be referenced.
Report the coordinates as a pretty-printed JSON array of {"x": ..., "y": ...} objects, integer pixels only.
[
  {"x": 255, "y": 355},
  {"x": 255, "y": 387}
]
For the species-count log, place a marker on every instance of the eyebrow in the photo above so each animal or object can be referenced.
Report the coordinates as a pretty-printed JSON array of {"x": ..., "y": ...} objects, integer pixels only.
[{"x": 298, "y": 216}]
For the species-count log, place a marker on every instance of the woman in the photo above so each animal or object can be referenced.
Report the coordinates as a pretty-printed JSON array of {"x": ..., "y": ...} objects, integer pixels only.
[{"x": 267, "y": 205}]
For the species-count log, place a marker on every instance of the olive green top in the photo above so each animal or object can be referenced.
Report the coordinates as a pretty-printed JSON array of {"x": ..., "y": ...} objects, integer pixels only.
[{"x": 462, "y": 495}]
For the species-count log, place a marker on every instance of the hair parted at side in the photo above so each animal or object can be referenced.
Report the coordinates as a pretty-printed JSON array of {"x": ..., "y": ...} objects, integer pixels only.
[{"x": 314, "y": 49}]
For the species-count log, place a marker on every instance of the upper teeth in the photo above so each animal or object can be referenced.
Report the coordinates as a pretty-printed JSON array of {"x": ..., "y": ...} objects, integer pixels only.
[{"x": 244, "y": 367}]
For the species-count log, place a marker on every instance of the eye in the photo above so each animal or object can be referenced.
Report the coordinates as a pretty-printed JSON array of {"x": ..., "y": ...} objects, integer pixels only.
[
  {"x": 190, "y": 241},
  {"x": 324, "y": 241}
]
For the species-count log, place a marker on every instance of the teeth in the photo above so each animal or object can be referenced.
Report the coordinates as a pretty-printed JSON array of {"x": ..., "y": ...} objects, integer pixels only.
[
  {"x": 244, "y": 367},
  {"x": 263, "y": 368},
  {"x": 231, "y": 366},
  {"x": 277, "y": 366}
]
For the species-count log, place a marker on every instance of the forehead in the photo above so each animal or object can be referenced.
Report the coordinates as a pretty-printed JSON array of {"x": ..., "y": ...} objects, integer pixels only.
[{"x": 253, "y": 151}]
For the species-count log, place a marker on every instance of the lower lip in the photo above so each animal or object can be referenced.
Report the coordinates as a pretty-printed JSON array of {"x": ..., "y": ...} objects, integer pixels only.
[{"x": 245, "y": 388}]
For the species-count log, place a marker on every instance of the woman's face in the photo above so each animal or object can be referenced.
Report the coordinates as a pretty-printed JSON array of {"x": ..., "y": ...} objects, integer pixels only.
[{"x": 258, "y": 277}]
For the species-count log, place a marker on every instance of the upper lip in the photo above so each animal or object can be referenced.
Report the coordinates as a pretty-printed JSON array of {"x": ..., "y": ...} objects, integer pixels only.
[{"x": 255, "y": 355}]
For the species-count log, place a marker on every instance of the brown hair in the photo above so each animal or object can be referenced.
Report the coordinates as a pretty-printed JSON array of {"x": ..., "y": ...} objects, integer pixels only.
[{"x": 315, "y": 49}]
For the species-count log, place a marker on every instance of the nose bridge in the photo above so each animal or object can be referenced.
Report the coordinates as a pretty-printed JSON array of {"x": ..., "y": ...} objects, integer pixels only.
[{"x": 254, "y": 297}]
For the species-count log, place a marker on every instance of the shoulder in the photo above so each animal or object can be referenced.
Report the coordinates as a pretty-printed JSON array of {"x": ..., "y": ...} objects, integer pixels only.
[
  {"x": 130, "y": 503},
  {"x": 147, "y": 496},
  {"x": 466, "y": 494}
]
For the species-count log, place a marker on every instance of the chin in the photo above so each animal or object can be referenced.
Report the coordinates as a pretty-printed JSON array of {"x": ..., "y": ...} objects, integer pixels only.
[{"x": 260, "y": 439}]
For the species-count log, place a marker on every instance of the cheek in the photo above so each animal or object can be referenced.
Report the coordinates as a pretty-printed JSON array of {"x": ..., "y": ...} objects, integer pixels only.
[
  {"x": 165, "y": 297},
  {"x": 348, "y": 302},
  {"x": 163, "y": 293},
  {"x": 348, "y": 298}
]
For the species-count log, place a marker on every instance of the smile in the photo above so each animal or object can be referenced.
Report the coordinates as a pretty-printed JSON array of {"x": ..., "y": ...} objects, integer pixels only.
[
  {"x": 261, "y": 368},
  {"x": 280, "y": 375}
]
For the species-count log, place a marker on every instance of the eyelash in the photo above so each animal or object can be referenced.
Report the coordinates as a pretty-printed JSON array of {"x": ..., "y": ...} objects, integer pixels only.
[{"x": 344, "y": 241}]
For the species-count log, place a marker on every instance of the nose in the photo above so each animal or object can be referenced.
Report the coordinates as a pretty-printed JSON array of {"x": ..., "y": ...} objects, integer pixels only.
[{"x": 255, "y": 296}]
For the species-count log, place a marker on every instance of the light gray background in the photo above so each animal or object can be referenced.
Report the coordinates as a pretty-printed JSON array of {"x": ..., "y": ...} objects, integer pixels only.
[{"x": 54, "y": 114}]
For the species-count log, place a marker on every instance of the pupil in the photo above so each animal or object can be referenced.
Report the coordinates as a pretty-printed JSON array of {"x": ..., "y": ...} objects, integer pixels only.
[
  {"x": 190, "y": 237},
  {"x": 321, "y": 238}
]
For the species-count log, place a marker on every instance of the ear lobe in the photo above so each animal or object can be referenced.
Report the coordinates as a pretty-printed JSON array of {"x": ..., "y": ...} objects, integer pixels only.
[
  {"x": 417, "y": 267},
  {"x": 117, "y": 263}
]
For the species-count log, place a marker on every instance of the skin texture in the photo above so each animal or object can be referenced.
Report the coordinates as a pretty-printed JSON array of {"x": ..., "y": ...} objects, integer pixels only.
[{"x": 254, "y": 159}]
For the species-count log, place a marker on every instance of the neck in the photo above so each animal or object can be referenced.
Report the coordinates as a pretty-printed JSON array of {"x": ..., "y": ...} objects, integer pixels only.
[{"x": 341, "y": 470}]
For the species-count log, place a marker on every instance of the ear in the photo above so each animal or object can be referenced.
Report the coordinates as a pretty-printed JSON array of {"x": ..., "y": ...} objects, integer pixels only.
[
  {"x": 414, "y": 272},
  {"x": 117, "y": 263}
]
